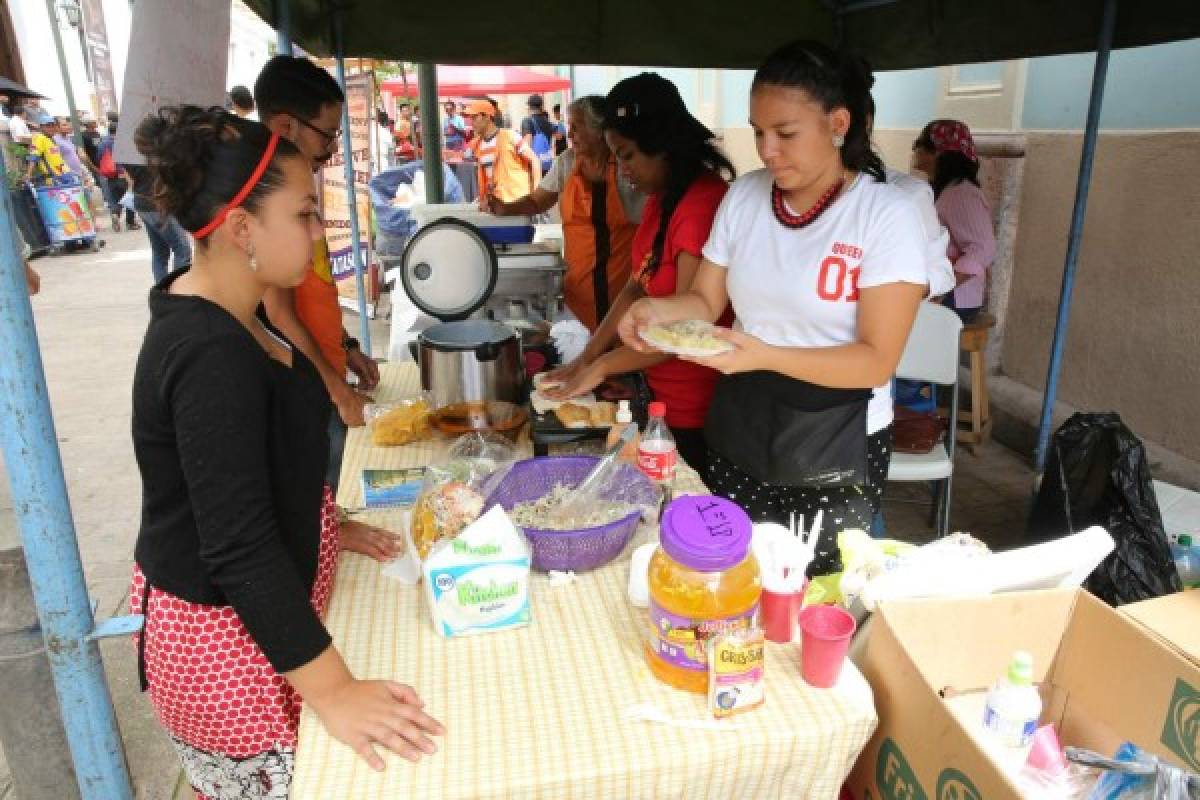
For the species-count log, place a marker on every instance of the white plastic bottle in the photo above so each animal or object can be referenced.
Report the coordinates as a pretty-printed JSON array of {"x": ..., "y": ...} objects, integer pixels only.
[
  {"x": 624, "y": 419},
  {"x": 657, "y": 453},
  {"x": 1013, "y": 704}
]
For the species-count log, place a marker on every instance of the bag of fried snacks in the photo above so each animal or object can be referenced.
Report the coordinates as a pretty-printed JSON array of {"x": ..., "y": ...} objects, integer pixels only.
[{"x": 399, "y": 423}]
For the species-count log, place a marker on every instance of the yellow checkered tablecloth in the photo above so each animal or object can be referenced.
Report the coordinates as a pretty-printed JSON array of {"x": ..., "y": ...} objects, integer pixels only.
[{"x": 537, "y": 712}]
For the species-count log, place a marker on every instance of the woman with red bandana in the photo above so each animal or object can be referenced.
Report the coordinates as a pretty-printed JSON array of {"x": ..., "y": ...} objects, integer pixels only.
[{"x": 945, "y": 151}]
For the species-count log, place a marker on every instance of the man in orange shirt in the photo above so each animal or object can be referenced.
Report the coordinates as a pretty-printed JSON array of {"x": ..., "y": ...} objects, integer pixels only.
[
  {"x": 508, "y": 169},
  {"x": 303, "y": 104}
]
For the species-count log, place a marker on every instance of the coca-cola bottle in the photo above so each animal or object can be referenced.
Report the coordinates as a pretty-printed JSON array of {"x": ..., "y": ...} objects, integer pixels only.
[{"x": 657, "y": 453}]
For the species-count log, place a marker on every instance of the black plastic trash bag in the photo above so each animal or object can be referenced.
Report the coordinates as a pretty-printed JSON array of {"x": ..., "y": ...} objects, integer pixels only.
[{"x": 1097, "y": 474}]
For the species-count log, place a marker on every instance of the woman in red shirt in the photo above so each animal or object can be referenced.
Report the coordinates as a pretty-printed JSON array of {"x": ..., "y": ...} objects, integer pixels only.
[{"x": 668, "y": 154}]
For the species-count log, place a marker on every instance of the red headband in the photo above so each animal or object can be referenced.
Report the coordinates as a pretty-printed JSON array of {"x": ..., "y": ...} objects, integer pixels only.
[{"x": 244, "y": 192}]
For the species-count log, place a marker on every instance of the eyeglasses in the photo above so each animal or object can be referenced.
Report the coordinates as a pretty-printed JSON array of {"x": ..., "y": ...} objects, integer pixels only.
[{"x": 329, "y": 138}]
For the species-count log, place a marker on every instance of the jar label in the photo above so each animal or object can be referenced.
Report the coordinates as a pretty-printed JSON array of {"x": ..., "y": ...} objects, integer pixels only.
[
  {"x": 682, "y": 641},
  {"x": 657, "y": 465}
]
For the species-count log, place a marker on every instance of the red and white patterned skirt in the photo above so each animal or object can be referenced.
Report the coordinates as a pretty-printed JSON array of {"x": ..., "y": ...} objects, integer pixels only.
[{"x": 231, "y": 717}]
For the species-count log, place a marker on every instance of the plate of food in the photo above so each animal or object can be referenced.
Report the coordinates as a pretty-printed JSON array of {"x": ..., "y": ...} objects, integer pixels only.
[{"x": 689, "y": 337}]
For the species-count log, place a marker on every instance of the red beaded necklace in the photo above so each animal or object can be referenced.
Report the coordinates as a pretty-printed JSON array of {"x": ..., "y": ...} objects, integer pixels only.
[{"x": 795, "y": 221}]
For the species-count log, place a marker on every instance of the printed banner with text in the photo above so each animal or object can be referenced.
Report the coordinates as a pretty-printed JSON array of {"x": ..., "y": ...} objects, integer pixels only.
[{"x": 335, "y": 206}]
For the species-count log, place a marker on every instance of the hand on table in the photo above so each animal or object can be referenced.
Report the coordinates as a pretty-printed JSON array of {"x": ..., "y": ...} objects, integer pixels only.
[
  {"x": 495, "y": 205},
  {"x": 379, "y": 544},
  {"x": 749, "y": 353},
  {"x": 563, "y": 374},
  {"x": 350, "y": 404},
  {"x": 364, "y": 367},
  {"x": 363, "y": 714},
  {"x": 581, "y": 381}
]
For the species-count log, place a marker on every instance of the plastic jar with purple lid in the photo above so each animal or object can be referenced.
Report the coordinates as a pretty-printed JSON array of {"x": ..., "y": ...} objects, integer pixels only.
[{"x": 703, "y": 580}]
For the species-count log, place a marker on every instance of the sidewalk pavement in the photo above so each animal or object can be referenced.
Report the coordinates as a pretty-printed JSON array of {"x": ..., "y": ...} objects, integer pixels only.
[{"x": 91, "y": 315}]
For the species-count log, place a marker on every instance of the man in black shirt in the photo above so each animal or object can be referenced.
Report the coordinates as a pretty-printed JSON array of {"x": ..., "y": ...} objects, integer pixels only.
[{"x": 537, "y": 132}]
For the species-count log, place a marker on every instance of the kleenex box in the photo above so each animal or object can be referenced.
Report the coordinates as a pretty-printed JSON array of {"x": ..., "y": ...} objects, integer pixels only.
[{"x": 479, "y": 582}]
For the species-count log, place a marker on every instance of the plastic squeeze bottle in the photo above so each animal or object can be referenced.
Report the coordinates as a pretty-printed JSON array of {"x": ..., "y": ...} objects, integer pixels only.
[
  {"x": 1013, "y": 704},
  {"x": 657, "y": 454},
  {"x": 624, "y": 420},
  {"x": 1187, "y": 561}
]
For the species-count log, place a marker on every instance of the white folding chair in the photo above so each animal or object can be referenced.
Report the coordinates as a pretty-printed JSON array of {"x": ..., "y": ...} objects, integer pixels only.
[{"x": 931, "y": 356}]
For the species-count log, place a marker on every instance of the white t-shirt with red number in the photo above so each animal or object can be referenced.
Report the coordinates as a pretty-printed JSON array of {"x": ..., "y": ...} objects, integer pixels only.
[{"x": 799, "y": 288}]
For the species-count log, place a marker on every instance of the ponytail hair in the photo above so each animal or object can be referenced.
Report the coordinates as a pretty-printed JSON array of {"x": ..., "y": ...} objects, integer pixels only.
[
  {"x": 199, "y": 158},
  {"x": 834, "y": 80}
]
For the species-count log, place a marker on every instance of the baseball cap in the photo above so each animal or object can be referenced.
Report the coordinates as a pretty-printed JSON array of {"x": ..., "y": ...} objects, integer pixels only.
[
  {"x": 45, "y": 119},
  {"x": 480, "y": 107},
  {"x": 649, "y": 95}
]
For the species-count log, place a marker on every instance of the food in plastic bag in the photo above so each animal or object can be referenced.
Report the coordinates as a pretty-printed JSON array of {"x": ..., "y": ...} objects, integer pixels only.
[
  {"x": 399, "y": 423},
  {"x": 451, "y": 496},
  {"x": 443, "y": 511},
  {"x": 1097, "y": 474},
  {"x": 871, "y": 563}
]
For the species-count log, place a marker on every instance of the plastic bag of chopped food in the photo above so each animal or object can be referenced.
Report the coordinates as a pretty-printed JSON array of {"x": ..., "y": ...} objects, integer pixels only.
[
  {"x": 451, "y": 496},
  {"x": 399, "y": 423},
  {"x": 444, "y": 507}
]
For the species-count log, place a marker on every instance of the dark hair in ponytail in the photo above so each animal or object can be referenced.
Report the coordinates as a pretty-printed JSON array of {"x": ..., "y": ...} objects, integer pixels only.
[
  {"x": 835, "y": 80},
  {"x": 648, "y": 109},
  {"x": 201, "y": 157}
]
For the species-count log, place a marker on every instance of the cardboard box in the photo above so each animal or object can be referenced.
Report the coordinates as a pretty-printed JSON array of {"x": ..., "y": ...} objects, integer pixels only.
[
  {"x": 1176, "y": 618},
  {"x": 1105, "y": 678}
]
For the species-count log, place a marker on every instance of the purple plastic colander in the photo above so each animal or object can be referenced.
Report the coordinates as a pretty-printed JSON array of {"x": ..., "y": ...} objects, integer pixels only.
[{"x": 578, "y": 550}]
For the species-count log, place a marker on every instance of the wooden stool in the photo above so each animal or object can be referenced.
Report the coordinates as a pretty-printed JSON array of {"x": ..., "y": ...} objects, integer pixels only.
[{"x": 976, "y": 423}]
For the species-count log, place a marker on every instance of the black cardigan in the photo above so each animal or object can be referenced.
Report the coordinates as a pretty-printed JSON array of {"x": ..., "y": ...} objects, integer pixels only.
[{"x": 232, "y": 447}]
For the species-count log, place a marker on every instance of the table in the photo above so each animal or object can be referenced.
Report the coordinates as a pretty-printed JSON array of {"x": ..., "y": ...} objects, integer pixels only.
[{"x": 537, "y": 712}]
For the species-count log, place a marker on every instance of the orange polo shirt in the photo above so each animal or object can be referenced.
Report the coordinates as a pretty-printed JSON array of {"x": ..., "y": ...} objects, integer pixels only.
[{"x": 318, "y": 308}]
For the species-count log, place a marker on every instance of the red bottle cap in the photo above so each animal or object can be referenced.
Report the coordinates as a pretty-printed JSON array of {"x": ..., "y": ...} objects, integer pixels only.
[{"x": 658, "y": 409}]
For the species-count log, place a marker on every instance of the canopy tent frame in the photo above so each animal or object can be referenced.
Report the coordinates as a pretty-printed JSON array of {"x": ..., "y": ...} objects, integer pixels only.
[{"x": 29, "y": 442}]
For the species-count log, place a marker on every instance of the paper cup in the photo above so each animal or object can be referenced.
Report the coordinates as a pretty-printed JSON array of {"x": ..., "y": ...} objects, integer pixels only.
[{"x": 825, "y": 639}]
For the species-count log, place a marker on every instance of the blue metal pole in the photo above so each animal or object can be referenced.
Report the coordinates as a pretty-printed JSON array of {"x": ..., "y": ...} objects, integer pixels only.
[
  {"x": 43, "y": 512},
  {"x": 1075, "y": 237},
  {"x": 364, "y": 328},
  {"x": 283, "y": 27}
]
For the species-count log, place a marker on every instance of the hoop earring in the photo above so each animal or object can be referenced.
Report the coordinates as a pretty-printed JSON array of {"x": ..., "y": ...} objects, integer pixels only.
[{"x": 839, "y": 140}]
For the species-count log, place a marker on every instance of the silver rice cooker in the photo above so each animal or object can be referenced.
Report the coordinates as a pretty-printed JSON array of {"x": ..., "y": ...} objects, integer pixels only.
[{"x": 449, "y": 270}]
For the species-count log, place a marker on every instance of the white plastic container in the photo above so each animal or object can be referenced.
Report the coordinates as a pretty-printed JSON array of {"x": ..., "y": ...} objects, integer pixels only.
[
  {"x": 423, "y": 214},
  {"x": 1014, "y": 705},
  {"x": 657, "y": 451}
]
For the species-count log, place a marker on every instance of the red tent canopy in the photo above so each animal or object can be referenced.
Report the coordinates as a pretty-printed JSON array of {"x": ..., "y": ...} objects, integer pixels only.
[{"x": 472, "y": 81}]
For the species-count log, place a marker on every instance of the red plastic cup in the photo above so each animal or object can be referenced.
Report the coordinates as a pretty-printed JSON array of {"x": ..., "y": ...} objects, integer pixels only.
[
  {"x": 781, "y": 615},
  {"x": 825, "y": 639},
  {"x": 1046, "y": 755}
]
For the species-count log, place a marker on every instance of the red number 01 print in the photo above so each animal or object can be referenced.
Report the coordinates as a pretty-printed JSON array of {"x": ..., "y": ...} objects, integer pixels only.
[{"x": 832, "y": 283}]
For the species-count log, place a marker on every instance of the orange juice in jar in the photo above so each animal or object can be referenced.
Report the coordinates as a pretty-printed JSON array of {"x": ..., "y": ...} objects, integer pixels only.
[{"x": 703, "y": 581}]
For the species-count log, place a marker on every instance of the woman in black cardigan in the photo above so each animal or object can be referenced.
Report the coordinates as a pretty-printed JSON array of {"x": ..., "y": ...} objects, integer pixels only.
[{"x": 239, "y": 534}]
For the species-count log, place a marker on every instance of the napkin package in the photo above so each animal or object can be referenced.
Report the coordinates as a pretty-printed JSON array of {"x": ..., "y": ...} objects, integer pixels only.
[{"x": 479, "y": 581}]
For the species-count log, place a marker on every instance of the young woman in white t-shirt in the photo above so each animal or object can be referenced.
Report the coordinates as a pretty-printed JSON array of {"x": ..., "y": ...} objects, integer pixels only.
[{"x": 825, "y": 265}]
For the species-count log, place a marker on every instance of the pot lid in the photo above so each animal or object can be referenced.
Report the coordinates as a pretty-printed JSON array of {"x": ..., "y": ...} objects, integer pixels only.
[
  {"x": 466, "y": 334},
  {"x": 449, "y": 269}
]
